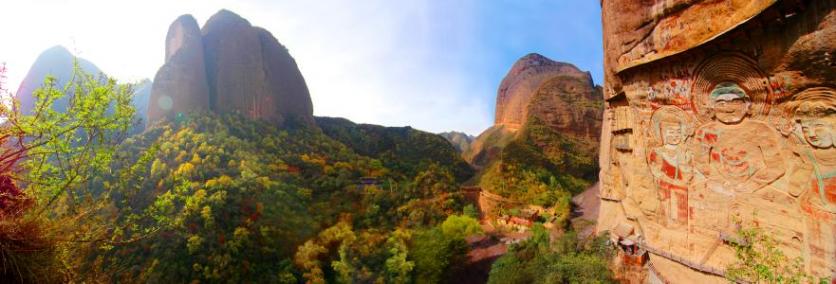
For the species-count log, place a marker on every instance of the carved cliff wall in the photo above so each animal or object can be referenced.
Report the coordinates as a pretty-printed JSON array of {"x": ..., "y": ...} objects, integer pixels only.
[{"x": 719, "y": 116}]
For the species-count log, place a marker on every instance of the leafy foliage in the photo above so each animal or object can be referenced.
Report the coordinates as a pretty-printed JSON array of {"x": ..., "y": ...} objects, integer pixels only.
[
  {"x": 565, "y": 260},
  {"x": 224, "y": 198},
  {"x": 342, "y": 254},
  {"x": 401, "y": 149},
  {"x": 760, "y": 260},
  {"x": 54, "y": 155},
  {"x": 542, "y": 167}
]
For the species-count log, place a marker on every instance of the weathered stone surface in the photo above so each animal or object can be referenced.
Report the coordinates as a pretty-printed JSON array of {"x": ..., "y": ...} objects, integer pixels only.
[
  {"x": 285, "y": 81},
  {"x": 711, "y": 126},
  {"x": 251, "y": 73},
  {"x": 235, "y": 68},
  {"x": 569, "y": 104},
  {"x": 521, "y": 83},
  {"x": 548, "y": 93},
  {"x": 180, "y": 85},
  {"x": 229, "y": 66}
]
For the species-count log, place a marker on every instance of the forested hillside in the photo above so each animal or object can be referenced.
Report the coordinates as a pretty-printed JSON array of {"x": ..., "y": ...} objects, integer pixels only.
[{"x": 225, "y": 197}]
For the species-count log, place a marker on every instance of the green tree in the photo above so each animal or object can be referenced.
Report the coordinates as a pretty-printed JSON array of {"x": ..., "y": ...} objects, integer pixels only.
[
  {"x": 760, "y": 260},
  {"x": 398, "y": 268},
  {"x": 64, "y": 149},
  {"x": 460, "y": 226},
  {"x": 471, "y": 211},
  {"x": 56, "y": 155},
  {"x": 439, "y": 252},
  {"x": 564, "y": 260}
]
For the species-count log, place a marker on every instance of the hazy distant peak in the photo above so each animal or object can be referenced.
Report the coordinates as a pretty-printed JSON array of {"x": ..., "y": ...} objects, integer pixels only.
[
  {"x": 56, "y": 61},
  {"x": 57, "y": 50}
]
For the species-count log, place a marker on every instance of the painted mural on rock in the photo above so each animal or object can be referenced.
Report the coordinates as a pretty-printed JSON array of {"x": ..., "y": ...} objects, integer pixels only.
[{"x": 731, "y": 128}]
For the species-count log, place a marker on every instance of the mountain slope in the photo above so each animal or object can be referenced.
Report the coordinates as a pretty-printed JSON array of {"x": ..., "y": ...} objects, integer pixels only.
[
  {"x": 240, "y": 197},
  {"x": 460, "y": 140},
  {"x": 545, "y": 141},
  {"x": 401, "y": 148}
]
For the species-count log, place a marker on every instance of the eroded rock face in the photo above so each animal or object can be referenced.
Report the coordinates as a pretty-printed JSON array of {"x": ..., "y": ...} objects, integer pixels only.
[
  {"x": 285, "y": 82},
  {"x": 642, "y": 31},
  {"x": 521, "y": 83},
  {"x": 713, "y": 126},
  {"x": 250, "y": 72},
  {"x": 540, "y": 92},
  {"x": 235, "y": 68},
  {"x": 180, "y": 85},
  {"x": 569, "y": 104},
  {"x": 229, "y": 66}
]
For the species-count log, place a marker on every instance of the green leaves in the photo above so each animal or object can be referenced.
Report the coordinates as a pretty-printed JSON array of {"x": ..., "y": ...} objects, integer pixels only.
[
  {"x": 564, "y": 260},
  {"x": 460, "y": 227},
  {"x": 64, "y": 148},
  {"x": 761, "y": 260}
]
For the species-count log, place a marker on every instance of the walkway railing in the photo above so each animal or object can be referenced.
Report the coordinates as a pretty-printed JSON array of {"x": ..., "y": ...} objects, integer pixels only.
[{"x": 692, "y": 264}]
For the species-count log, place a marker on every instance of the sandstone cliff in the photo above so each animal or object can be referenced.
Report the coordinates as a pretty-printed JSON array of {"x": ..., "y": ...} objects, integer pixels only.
[
  {"x": 180, "y": 85},
  {"x": 229, "y": 66},
  {"x": 543, "y": 147},
  {"x": 541, "y": 92},
  {"x": 719, "y": 119},
  {"x": 522, "y": 81}
]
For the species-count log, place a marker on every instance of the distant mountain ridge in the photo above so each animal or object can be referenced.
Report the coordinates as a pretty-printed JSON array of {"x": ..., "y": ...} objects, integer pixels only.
[
  {"x": 460, "y": 140},
  {"x": 402, "y": 148}
]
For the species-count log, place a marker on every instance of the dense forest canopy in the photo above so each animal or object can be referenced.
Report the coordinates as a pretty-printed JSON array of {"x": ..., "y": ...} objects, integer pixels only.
[{"x": 225, "y": 198}]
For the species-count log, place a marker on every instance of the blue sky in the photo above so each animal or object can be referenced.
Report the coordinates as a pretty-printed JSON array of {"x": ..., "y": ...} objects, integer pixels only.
[{"x": 434, "y": 65}]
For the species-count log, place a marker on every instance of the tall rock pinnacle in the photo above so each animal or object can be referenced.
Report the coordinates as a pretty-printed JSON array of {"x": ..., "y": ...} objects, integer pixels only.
[
  {"x": 230, "y": 66},
  {"x": 180, "y": 85},
  {"x": 521, "y": 84}
]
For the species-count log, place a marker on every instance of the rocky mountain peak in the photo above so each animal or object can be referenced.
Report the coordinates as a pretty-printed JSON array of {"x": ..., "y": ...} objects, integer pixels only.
[
  {"x": 180, "y": 33},
  {"x": 522, "y": 81},
  {"x": 180, "y": 85},
  {"x": 230, "y": 66}
]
